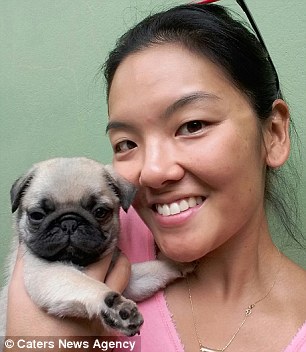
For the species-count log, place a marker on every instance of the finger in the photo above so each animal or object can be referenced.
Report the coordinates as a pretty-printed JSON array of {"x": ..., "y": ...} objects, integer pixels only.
[
  {"x": 99, "y": 269},
  {"x": 118, "y": 278}
]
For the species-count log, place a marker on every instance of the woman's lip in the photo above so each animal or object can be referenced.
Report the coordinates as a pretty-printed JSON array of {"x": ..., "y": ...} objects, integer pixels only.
[
  {"x": 177, "y": 219},
  {"x": 179, "y": 206}
]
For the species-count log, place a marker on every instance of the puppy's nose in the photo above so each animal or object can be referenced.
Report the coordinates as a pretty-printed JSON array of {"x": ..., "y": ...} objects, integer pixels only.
[{"x": 69, "y": 225}]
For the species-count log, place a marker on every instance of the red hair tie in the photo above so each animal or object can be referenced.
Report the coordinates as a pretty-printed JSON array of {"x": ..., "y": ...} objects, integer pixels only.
[{"x": 206, "y": 2}]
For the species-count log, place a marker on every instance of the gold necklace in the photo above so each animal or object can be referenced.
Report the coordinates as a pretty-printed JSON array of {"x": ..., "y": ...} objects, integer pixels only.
[{"x": 247, "y": 313}]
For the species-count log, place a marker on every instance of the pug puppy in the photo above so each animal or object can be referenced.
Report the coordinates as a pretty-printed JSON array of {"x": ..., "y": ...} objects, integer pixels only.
[{"x": 67, "y": 217}]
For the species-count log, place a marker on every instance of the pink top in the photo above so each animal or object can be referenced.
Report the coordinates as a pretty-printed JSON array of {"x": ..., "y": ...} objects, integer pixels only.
[{"x": 158, "y": 332}]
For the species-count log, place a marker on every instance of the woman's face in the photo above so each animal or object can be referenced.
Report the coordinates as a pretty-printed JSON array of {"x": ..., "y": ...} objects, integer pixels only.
[{"x": 189, "y": 139}]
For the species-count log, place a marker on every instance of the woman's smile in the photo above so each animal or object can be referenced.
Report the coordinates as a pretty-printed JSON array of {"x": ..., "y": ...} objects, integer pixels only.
[
  {"x": 177, "y": 213},
  {"x": 178, "y": 207}
]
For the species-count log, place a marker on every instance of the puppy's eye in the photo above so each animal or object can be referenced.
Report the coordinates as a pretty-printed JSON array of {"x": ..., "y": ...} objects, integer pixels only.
[
  {"x": 36, "y": 216},
  {"x": 101, "y": 213}
]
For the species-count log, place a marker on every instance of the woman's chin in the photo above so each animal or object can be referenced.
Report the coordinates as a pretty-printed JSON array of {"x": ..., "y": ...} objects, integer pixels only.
[{"x": 181, "y": 254}]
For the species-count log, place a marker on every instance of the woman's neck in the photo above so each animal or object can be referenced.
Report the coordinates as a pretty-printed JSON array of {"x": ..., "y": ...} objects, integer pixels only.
[{"x": 244, "y": 266}]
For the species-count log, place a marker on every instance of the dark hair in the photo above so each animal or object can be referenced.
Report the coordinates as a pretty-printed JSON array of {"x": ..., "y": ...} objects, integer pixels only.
[{"x": 210, "y": 31}]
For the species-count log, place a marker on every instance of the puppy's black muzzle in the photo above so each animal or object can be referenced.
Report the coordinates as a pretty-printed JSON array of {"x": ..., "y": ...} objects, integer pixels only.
[{"x": 71, "y": 238}]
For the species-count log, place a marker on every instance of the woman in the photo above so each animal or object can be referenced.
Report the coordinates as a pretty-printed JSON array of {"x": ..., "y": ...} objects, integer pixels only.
[{"x": 197, "y": 122}]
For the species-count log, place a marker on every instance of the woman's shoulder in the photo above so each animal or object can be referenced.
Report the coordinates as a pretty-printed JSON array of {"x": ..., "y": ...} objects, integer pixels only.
[
  {"x": 294, "y": 298},
  {"x": 293, "y": 288},
  {"x": 294, "y": 276}
]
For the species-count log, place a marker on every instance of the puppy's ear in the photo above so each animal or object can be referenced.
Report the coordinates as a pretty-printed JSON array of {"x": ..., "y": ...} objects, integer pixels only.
[
  {"x": 18, "y": 188},
  {"x": 124, "y": 189}
]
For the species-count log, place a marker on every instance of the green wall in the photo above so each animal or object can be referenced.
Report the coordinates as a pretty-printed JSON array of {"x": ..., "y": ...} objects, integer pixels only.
[{"x": 53, "y": 104}]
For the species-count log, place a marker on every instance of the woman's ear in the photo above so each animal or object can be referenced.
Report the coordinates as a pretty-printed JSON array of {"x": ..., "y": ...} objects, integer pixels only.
[{"x": 277, "y": 140}]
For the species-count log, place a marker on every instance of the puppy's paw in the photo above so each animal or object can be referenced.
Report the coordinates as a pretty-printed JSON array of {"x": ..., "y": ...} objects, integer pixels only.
[
  {"x": 178, "y": 269},
  {"x": 187, "y": 268},
  {"x": 121, "y": 314}
]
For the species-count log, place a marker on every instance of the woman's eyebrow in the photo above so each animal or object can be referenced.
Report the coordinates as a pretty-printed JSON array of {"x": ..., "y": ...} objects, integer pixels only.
[
  {"x": 188, "y": 99},
  {"x": 113, "y": 125},
  {"x": 180, "y": 103}
]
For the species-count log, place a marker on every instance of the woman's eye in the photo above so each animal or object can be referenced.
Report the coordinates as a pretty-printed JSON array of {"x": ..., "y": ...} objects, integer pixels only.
[
  {"x": 191, "y": 127},
  {"x": 124, "y": 146}
]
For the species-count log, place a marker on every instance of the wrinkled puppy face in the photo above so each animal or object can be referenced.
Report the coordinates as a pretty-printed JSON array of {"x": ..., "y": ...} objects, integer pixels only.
[{"x": 68, "y": 209}]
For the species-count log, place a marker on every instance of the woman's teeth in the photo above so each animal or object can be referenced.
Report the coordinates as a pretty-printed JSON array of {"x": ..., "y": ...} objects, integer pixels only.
[{"x": 178, "y": 207}]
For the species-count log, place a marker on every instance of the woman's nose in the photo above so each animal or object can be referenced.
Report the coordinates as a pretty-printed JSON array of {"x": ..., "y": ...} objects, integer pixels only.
[{"x": 160, "y": 166}]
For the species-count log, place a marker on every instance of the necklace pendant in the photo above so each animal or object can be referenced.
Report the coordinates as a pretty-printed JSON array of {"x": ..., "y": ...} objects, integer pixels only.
[{"x": 206, "y": 349}]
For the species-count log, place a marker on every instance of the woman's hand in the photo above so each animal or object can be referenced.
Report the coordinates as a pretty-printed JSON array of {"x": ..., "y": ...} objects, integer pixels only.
[{"x": 24, "y": 318}]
